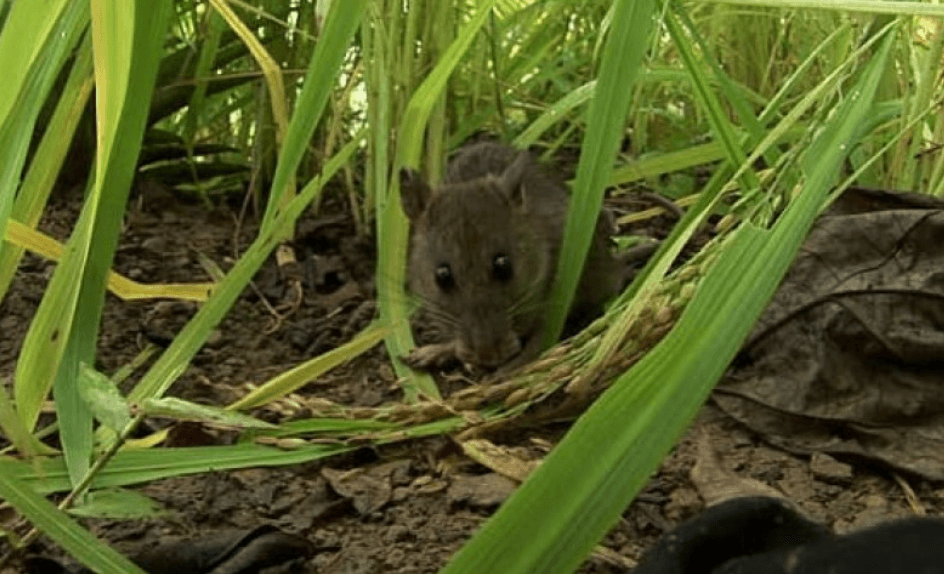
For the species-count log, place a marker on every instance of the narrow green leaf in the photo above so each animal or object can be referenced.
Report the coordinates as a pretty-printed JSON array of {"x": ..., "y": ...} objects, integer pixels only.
[
  {"x": 185, "y": 410},
  {"x": 720, "y": 125},
  {"x": 103, "y": 398},
  {"x": 42, "y": 44},
  {"x": 31, "y": 387},
  {"x": 50, "y": 155},
  {"x": 77, "y": 541},
  {"x": 622, "y": 57},
  {"x": 202, "y": 72},
  {"x": 137, "y": 466},
  {"x": 127, "y": 40},
  {"x": 25, "y": 33},
  {"x": 130, "y": 466},
  {"x": 342, "y": 22},
  {"x": 866, "y": 6},
  {"x": 554, "y": 113},
  {"x": 117, "y": 504},
  {"x": 293, "y": 379}
]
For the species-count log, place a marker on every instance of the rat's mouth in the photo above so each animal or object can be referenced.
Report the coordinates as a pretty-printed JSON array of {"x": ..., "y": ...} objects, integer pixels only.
[{"x": 497, "y": 359}]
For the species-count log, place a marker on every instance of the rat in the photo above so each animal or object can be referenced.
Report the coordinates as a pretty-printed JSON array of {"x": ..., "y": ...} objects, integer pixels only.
[{"x": 483, "y": 256}]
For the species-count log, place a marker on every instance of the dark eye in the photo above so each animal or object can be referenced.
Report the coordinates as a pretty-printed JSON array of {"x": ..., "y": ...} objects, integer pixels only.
[
  {"x": 501, "y": 267},
  {"x": 444, "y": 278}
]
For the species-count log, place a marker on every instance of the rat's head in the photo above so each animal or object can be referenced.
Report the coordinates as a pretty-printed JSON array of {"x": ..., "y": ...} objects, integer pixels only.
[{"x": 478, "y": 261}]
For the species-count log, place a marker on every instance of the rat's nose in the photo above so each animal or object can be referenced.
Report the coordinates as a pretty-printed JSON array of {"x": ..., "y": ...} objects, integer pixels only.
[{"x": 488, "y": 352}]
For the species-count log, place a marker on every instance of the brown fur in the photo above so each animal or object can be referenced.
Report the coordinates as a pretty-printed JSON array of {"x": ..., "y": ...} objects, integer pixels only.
[{"x": 495, "y": 201}]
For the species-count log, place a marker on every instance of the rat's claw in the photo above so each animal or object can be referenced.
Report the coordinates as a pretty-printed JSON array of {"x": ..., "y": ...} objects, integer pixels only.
[{"x": 432, "y": 356}]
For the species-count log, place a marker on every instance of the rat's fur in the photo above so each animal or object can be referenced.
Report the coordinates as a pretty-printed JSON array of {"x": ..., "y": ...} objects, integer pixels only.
[{"x": 495, "y": 202}]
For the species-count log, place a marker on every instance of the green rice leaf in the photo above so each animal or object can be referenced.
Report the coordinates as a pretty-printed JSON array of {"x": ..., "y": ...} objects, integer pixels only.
[
  {"x": 340, "y": 25},
  {"x": 103, "y": 398},
  {"x": 117, "y": 504},
  {"x": 77, "y": 541},
  {"x": 622, "y": 57},
  {"x": 185, "y": 410}
]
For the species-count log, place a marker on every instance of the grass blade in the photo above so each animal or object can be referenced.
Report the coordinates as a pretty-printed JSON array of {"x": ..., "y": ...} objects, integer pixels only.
[
  {"x": 25, "y": 33},
  {"x": 622, "y": 56},
  {"x": 866, "y": 6},
  {"x": 126, "y": 41},
  {"x": 41, "y": 43},
  {"x": 77, "y": 541},
  {"x": 292, "y": 379},
  {"x": 339, "y": 27},
  {"x": 48, "y": 160},
  {"x": 15, "y": 132}
]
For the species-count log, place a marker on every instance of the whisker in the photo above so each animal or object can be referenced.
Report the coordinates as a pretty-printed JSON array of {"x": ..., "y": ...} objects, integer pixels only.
[
  {"x": 529, "y": 297},
  {"x": 437, "y": 312}
]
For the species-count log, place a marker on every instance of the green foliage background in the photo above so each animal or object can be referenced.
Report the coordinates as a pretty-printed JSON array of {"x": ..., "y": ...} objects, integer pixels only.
[{"x": 759, "y": 111}]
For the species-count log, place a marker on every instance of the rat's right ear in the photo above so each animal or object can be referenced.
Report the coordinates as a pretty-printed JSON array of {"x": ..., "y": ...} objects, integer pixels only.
[
  {"x": 415, "y": 193},
  {"x": 512, "y": 179}
]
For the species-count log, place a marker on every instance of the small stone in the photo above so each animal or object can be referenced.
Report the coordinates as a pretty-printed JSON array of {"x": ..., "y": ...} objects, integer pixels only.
[
  {"x": 215, "y": 340},
  {"x": 828, "y": 469},
  {"x": 485, "y": 491},
  {"x": 156, "y": 243},
  {"x": 401, "y": 493},
  {"x": 396, "y": 533},
  {"x": 682, "y": 504}
]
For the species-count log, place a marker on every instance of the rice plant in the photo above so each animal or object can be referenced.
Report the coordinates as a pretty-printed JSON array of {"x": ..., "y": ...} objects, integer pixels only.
[{"x": 777, "y": 103}]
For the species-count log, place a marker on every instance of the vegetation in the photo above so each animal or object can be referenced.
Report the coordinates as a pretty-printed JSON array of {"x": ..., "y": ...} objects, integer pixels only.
[{"x": 781, "y": 103}]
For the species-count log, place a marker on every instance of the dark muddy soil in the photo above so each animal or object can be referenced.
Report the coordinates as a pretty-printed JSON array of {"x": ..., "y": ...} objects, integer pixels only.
[{"x": 431, "y": 498}]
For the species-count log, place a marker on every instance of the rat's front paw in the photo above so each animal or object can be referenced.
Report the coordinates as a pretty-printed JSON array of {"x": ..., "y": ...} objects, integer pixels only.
[{"x": 428, "y": 357}]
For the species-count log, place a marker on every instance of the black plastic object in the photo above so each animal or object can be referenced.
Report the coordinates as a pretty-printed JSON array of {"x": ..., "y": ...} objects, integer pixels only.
[{"x": 760, "y": 535}]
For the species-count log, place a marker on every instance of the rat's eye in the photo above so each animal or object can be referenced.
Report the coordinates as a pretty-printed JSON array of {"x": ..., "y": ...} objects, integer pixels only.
[
  {"x": 443, "y": 276},
  {"x": 501, "y": 267}
]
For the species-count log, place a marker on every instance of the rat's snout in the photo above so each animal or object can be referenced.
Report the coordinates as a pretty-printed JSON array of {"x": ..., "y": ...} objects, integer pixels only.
[{"x": 486, "y": 339}]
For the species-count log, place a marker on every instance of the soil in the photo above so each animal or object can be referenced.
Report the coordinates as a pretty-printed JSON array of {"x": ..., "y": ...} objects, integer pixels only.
[{"x": 433, "y": 498}]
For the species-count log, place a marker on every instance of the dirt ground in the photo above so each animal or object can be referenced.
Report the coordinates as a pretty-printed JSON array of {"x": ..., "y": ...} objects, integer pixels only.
[{"x": 435, "y": 497}]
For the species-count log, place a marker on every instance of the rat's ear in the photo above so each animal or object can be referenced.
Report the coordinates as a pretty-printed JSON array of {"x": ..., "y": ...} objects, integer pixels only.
[
  {"x": 512, "y": 179},
  {"x": 415, "y": 193}
]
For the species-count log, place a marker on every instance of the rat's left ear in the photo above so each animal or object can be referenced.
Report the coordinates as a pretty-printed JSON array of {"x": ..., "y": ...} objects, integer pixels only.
[{"x": 512, "y": 179}]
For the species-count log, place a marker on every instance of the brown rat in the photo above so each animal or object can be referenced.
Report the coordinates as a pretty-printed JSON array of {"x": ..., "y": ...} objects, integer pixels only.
[{"x": 483, "y": 255}]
